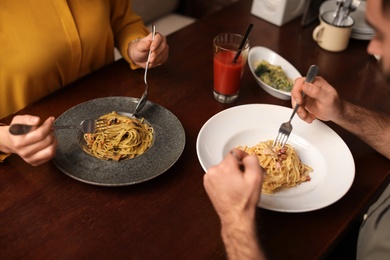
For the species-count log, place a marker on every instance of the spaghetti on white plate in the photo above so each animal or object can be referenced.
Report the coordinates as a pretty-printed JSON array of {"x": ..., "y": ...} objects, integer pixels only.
[
  {"x": 283, "y": 166},
  {"x": 124, "y": 137}
]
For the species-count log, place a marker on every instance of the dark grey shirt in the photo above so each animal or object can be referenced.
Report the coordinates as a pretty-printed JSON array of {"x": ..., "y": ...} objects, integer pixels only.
[{"x": 374, "y": 236}]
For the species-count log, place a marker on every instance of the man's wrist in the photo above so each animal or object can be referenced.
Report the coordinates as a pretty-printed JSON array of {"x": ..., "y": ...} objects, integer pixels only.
[
  {"x": 240, "y": 239},
  {"x": 236, "y": 224}
]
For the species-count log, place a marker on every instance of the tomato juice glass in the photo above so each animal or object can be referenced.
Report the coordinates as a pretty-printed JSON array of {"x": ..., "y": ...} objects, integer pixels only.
[{"x": 227, "y": 72}]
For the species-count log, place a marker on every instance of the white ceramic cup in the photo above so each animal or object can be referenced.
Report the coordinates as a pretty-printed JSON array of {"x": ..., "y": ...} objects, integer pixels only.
[{"x": 331, "y": 37}]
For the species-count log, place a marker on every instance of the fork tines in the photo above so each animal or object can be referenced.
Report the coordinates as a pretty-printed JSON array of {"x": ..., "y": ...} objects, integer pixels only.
[
  {"x": 281, "y": 139},
  {"x": 101, "y": 124},
  {"x": 286, "y": 128}
]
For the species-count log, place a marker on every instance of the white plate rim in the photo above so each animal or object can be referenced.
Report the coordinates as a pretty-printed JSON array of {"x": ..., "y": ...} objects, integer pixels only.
[{"x": 218, "y": 132}]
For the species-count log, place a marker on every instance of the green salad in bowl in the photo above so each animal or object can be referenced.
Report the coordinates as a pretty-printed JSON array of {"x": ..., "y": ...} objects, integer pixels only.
[
  {"x": 273, "y": 75},
  {"x": 272, "y": 72}
]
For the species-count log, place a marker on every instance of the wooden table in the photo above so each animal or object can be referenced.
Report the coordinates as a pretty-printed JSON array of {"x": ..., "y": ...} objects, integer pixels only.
[{"x": 44, "y": 214}]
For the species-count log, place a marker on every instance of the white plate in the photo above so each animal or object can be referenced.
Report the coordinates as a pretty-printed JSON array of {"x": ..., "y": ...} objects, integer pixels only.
[
  {"x": 366, "y": 37},
  {"x": 259, "y": 53},
  {"x": 317, "y": 145}
]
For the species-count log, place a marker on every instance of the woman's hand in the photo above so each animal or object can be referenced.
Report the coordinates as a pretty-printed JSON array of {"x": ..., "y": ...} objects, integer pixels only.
[
  {"x": 37, "y": 146},
  {"x": 138, "y": 51}
]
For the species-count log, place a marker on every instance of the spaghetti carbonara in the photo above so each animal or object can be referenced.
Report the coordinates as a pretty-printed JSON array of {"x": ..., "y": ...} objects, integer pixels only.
[
  {"x": 283, "y": 166},
  {"x": 123, "y": 137}
]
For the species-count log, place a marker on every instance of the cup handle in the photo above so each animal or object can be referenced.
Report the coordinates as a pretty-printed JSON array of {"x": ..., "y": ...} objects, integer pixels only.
[{"x": 317, "y": 33}]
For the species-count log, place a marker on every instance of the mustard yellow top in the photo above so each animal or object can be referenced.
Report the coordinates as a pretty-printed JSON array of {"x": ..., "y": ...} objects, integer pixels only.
[{"x": 47, "y": 44}]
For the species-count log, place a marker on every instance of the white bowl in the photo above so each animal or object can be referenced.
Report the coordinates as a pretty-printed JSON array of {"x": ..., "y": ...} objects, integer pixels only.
[{"x": 257, "y": 54}]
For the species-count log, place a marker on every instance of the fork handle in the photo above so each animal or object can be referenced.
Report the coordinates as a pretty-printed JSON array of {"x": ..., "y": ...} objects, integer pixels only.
[
  {"x": 312, "y": 73},
  {"x": 57, "y": 127},
  {"x": 310, "y": 76},
  {"x": 296, "y": 108},
  {"x": 150, "y": 52},
  {"x": 21, "y": 129}
]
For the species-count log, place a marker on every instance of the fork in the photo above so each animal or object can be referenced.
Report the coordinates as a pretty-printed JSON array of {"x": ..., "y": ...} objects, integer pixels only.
[
  {"x": 286, "y": 128},
  {"x": 86, "y": 126},
  {"x": 144, "y": 97}
]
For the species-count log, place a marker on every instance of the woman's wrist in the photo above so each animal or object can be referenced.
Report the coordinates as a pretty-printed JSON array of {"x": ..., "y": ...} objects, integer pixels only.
[
  {"x": 131, "y": 43},
  {"x": 3, "y": 154}
]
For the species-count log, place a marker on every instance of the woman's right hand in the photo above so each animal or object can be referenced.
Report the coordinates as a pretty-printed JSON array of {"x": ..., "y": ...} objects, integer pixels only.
[{"x": 36, "y": 147}]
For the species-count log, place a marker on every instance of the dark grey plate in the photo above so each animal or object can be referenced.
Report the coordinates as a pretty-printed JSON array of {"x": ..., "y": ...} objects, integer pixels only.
[{"x": 169, "y": 141}]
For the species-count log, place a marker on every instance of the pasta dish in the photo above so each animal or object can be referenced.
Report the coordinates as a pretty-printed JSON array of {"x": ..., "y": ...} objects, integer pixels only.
[
  {"x": 283, "y": 166},
  {"x": 123, "y": 137}
]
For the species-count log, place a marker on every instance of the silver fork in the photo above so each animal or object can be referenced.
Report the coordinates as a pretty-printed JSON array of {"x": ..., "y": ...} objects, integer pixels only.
[
  {"x": 144, "y": 97},
  {"x": 286, "y": 128},
  {"x": 86, "y": 126}
]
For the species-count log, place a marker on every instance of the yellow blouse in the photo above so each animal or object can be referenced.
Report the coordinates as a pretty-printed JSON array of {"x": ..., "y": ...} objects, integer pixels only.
[{"x": 47, "y": 44}]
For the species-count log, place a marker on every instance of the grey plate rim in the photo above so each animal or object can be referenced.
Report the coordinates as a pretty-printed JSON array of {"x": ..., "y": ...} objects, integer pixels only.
[{"x": 167, "y": 148}]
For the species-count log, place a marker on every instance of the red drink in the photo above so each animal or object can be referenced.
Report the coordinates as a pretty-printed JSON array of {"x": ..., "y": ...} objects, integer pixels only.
[{"x": 227, "y": 75}]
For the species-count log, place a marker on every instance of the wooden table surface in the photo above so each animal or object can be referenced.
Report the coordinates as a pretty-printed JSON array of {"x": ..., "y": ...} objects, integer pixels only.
[{"x": 44, "y": 214}]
